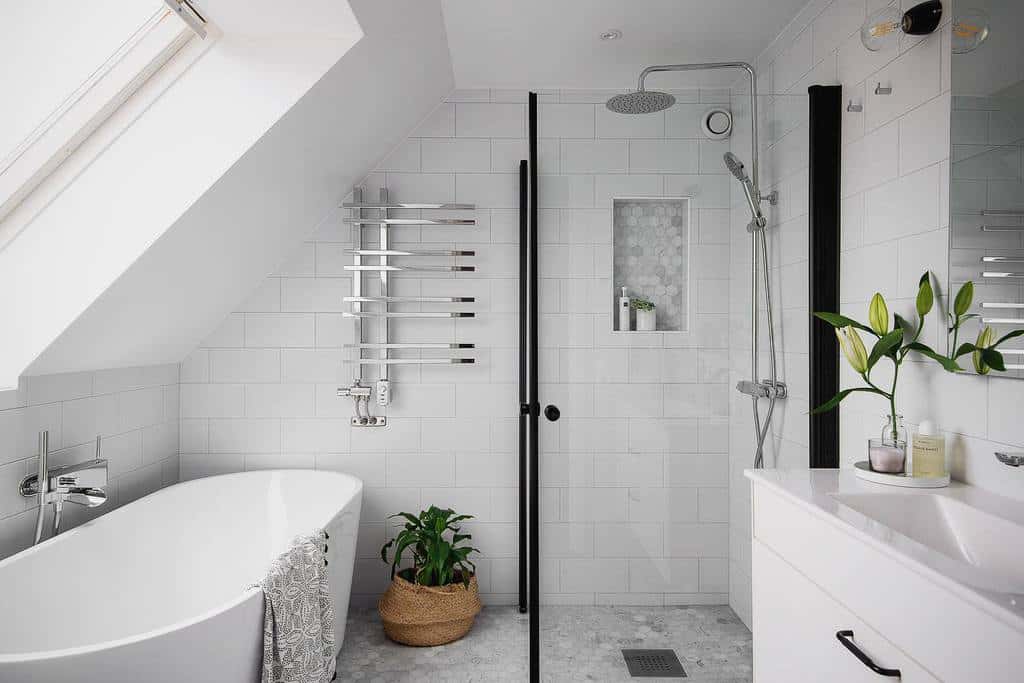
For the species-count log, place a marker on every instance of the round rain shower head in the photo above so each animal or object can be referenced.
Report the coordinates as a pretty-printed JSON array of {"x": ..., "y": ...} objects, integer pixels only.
[
  {"x": 735, "y": 166},
  {"x": 640, "y": 102}
]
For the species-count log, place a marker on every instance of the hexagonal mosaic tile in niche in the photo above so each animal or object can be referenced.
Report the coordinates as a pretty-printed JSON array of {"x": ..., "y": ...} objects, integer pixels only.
[{"x": 651, "y": 247}]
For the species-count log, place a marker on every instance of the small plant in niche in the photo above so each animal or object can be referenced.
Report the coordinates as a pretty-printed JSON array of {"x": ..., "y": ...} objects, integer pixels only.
[
  {"x": 642, "y": 305},
  {"x": 435, "y": 600},
  {"x": 645, "y": 314}
]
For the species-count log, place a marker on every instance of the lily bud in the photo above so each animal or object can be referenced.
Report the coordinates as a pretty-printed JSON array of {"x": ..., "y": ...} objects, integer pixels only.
[
  {"x": 853, "y": 348},
  {"x": 984, "y": 340},
  {"x": 878, "y": 315}
]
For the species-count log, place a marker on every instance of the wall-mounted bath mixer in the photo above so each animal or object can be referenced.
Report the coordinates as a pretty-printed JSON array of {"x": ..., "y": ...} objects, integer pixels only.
[{"x": 79, "y": 484}]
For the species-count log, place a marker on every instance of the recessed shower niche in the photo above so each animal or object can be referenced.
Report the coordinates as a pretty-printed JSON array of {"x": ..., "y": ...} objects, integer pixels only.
[{"x": 650, "y": 246}]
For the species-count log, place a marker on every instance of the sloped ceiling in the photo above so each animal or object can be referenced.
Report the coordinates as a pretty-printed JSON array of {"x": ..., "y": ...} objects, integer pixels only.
[{"x": 271, "y": 199}]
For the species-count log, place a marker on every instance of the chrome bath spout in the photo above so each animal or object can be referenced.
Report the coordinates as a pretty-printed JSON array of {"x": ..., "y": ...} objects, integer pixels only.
[{"x": 78, "y": 484}]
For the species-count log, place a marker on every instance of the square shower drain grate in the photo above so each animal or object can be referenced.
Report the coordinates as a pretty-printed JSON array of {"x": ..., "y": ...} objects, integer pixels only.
[{"x": 653, "y": 664}]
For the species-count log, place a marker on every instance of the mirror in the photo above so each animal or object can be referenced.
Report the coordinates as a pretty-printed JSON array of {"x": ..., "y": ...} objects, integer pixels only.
[{"x": 986, "y": 194}]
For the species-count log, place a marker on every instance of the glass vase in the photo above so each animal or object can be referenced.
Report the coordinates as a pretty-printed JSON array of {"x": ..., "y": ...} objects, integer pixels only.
[{"x": 888, "y": 454}]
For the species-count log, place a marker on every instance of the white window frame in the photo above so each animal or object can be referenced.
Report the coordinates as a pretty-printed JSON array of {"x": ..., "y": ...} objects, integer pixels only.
[{"x": 28, "y": 175}]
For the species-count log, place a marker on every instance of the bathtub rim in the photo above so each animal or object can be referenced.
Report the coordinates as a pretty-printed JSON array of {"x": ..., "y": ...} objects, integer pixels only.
[{"x": 246, "y": 594}]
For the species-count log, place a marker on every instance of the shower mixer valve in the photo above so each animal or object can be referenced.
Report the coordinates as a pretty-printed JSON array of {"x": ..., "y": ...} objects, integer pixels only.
[{"x": 763, "y": 389}]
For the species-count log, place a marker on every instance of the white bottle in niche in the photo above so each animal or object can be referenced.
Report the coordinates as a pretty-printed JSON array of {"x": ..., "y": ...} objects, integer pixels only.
[{"x": 624, "y": 312}]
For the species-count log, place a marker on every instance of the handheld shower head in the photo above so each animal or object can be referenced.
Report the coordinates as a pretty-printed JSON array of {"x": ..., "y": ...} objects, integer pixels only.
[{"x": 735, "y": 167}]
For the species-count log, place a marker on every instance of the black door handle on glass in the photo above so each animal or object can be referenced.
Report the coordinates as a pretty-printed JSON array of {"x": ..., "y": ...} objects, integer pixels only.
[
  {"x": 552, "y": 413},
  {"x": 846, "y": 638}
]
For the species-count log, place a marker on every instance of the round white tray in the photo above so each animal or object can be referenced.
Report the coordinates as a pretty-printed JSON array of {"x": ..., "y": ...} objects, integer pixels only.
[{"x": 863, "y": 471}]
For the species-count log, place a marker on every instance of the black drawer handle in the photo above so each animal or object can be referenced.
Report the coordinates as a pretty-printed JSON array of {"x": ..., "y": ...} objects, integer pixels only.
[{"x": 846, "y": 638}]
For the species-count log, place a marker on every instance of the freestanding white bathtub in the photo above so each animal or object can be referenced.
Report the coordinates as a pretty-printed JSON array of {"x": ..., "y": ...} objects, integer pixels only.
[{"x": 156, "y": 591}]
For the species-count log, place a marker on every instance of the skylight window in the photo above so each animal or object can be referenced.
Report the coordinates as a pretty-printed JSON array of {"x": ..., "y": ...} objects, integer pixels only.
[{"x": 65, "y": 69}]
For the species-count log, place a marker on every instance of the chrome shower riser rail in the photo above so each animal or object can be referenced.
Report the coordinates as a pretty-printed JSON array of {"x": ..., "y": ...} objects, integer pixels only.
[{"x": 757, "y": 236}]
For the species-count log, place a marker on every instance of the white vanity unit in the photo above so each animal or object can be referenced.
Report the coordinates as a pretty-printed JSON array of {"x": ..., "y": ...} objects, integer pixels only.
[{"x": 929, "y": 582}]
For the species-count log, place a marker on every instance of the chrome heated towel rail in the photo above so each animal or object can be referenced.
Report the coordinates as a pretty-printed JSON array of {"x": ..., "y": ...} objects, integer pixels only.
[{"x": 362, "y": 297}]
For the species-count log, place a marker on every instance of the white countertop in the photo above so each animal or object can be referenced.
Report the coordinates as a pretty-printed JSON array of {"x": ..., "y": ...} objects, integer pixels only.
[{"x": 814, "y": 489}]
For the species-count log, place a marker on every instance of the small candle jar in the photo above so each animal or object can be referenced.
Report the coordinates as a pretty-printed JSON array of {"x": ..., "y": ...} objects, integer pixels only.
[
  {"x": 889, "y": 453},
  {"x": 890, "y": 458}
]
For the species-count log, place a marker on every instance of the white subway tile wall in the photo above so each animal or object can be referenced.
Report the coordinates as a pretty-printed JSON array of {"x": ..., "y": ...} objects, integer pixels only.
[
  {"x": 635, "y": 475},
  {"x": 895, "y": 215},
  {"x": 133, "y": 410}
]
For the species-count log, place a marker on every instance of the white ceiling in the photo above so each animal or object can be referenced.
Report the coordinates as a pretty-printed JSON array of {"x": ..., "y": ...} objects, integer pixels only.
[{"x": 555, "y": 44}]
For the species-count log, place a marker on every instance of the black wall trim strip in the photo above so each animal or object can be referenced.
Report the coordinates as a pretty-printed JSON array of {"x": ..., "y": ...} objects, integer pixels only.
[
  {"x": 534, "y": 410},
  {"x": 523, "y": 396},
  {"x": 825, "y": 124}
]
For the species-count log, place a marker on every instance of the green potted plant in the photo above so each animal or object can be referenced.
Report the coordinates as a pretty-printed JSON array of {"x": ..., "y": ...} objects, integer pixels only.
[
  {"x": 645, "y": 314},
  {"x": 895, "y": 339},
  {"x": 435, "y": 600}
]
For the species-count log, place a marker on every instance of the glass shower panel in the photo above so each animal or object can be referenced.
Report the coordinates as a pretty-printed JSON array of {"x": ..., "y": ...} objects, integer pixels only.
[
  {"x": 634, "y": 477},
  {"x": 783, "y": 139}
]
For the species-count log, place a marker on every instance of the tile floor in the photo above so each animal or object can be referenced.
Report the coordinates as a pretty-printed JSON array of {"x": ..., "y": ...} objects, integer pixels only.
[{"x": 578, "y": 644}]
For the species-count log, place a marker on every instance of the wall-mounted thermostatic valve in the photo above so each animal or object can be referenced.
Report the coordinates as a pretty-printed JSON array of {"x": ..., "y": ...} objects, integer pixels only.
[{"x": 383, "y": 392}]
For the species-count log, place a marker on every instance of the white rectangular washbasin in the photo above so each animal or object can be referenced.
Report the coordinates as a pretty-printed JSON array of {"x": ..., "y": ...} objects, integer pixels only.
[{"x": 988, "y": 547}]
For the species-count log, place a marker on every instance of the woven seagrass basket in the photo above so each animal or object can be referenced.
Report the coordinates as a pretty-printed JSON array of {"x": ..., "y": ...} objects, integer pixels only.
[{"x": 428, "y": 615}]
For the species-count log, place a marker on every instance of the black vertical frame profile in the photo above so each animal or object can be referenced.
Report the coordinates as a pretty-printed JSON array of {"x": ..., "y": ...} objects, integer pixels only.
[
  {"x": 524, "y": 406},
  {"x": 534, "y": 407},
  {"x": 825, "y": 128},
  {"x": 529, "y": 403}
]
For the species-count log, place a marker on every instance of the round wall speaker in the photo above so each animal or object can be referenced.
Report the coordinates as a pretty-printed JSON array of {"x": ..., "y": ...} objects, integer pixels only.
[{"x": 716, "y": 123}]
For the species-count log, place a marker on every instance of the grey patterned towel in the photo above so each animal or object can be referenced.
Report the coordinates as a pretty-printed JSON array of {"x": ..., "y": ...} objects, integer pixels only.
[{"x": 298, "y": 624}]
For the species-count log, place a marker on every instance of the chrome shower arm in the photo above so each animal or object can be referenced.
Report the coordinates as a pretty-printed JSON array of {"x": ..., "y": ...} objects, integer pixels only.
[
  {"x": 743, "y": 66},
  {"x": 694, "y": 67}
]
